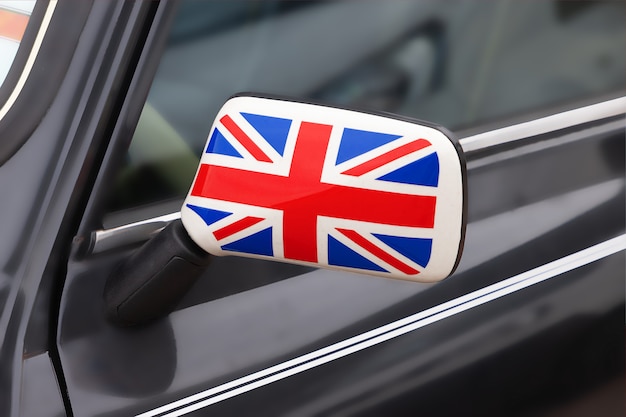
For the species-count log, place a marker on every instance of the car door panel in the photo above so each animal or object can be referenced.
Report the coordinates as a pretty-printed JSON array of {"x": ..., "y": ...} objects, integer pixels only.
[{"x": 215, "y": 340}]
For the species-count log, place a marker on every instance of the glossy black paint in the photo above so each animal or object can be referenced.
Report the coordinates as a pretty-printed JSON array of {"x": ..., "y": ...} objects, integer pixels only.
[
  {"x": 543, "y": 347},
  {"x": 512, "y": 356}
]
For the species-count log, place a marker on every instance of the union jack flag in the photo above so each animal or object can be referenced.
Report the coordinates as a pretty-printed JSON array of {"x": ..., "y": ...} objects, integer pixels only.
[{"x": 311, "y": 192}]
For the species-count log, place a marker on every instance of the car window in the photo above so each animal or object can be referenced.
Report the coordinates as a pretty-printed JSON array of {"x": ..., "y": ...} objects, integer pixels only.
[
  {"x": 14, "y": 16},
  {"x": 458, "y": 64}
]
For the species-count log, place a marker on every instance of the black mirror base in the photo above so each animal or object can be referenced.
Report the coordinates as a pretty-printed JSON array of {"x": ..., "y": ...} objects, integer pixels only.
[{"x": 150, "y": 283}]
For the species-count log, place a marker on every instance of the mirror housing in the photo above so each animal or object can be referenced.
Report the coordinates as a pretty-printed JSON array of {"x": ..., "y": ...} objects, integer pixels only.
[{"x": 324, "y": 186}]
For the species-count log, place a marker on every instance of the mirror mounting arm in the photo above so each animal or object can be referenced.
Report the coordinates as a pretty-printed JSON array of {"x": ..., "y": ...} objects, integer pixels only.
[{"x": 150, "y": 283}]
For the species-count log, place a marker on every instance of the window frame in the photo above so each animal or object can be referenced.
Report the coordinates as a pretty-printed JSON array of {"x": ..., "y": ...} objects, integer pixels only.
[
  {"x": 37, "y": 70},
  {"x": 493, "y": 139}
]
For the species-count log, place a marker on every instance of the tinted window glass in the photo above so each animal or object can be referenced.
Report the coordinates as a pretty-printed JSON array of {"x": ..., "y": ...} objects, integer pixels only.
[{"x": 458, "y": 64}]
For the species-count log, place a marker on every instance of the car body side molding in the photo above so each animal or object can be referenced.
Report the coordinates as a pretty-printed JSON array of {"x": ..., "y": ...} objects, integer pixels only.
[{"x": 389, "y": 331}]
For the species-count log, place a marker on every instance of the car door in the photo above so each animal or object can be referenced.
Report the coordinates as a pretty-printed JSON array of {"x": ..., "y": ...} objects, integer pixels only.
[{"x": 537, "y": 298}]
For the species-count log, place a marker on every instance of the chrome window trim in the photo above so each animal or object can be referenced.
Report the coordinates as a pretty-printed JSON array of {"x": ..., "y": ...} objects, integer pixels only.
[
  {"x": 527, "y": 148},
  {"x": 32, "y": 56},
  {"x": 136, "y": 232},
  {"x": 544, "y": 125},
  {"x": 103, "y": 240},
  {"x": 389, "y": 331}
]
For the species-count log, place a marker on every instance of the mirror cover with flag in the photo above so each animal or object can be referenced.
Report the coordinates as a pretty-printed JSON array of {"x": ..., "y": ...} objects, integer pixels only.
[{"x": 323, "y": 186}]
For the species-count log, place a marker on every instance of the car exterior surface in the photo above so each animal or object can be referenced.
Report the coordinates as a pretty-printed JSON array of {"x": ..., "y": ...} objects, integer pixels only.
[{"x": 106, "y": 109}]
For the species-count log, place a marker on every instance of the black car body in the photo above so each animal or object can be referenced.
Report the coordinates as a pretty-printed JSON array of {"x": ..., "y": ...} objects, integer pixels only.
[{"x": 531, "y": 323}]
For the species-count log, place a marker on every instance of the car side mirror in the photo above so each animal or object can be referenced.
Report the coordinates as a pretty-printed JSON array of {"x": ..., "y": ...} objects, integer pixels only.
[{"x": 310, "y": 184}]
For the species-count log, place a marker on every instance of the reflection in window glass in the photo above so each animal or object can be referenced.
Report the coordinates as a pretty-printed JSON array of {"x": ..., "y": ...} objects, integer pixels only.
[
  {"x": 458, "y": 64},
  {"x": 14, "y": 15}
]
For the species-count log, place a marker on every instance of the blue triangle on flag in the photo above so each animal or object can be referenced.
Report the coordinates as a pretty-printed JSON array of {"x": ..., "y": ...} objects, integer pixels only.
[
  {"x": 209, "y": 216},
  {"x": 341, "y": 255},
  {"x": 356, "y": 142},
  {"x": 220, "y": 145},
  {"x": 424, "y": 171},
  {"x": 273, "y": 129},
  {"x": 259, "y": 243},
  {"x": 416, "y": 249}
]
